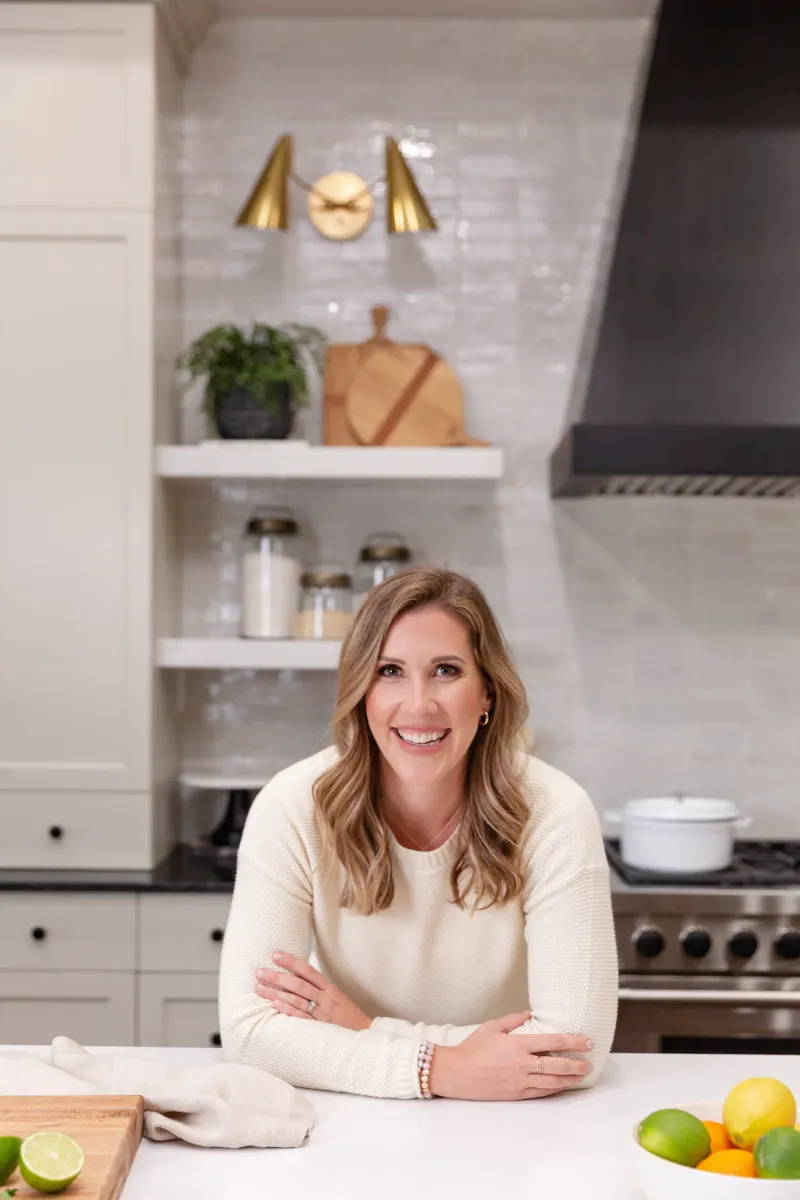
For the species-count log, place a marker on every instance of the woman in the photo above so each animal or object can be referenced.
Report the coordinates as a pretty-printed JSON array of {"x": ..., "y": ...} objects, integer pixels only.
[{"x": 455, "y": 890}]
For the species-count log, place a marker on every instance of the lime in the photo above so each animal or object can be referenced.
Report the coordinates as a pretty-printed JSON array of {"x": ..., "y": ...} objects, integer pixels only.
[
  {"x": 676, "y": 1135},
  {"x": 9, "y": 1157},
  {"x": 777, "y": 1154},
  {"x": 49, "y": 1161},
  {"x": 755, "y": 1106}
]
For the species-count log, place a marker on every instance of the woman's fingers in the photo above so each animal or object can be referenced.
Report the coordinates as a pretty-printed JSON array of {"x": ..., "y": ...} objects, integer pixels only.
[
  {"x": 283, "y": 1001},
  {"x": 299, "y": 967},
  {"x": 560, "y": 1066},
  {"x": 288, "y": 983},
  {"x": 538, "y": 1093},
  {"x": 550, "y": 1043}
]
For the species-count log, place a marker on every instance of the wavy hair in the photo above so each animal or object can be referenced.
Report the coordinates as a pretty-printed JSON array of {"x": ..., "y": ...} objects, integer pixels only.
[{"x": 487, "y": 868}]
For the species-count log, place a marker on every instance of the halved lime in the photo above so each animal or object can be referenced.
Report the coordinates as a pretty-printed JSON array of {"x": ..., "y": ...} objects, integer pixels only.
[
  {"x": 9, "y": 1157},
  {"x": 49, "y": 1161}
]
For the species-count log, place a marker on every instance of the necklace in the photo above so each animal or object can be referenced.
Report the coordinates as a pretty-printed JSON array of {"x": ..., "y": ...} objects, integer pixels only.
[{"x": 445, "y": 829}]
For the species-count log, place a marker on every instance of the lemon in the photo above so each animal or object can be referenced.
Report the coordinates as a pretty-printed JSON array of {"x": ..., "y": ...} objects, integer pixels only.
[
  {"x": 676, "y": 1135},
  {"x": 49, "y": 1161},
  {"x": 755, "y": 1106},
  {"x": 9, "y": 1157},
  {"x": 777, "y": 1154}
]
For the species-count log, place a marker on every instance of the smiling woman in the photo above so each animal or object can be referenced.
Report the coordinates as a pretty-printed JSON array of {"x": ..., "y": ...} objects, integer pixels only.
[{"x": 453, "y": 889}]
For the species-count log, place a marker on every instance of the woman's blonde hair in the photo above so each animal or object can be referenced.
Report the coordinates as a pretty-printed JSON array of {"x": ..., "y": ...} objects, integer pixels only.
[{"x": 487, "y": 866}]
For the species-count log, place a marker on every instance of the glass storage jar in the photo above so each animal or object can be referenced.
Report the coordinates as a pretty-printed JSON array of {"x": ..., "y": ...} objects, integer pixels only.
[
  {"x": 270, "y": 577},
  {"x": 326, "y": 603},
  {"x": 381, "y": 556}
]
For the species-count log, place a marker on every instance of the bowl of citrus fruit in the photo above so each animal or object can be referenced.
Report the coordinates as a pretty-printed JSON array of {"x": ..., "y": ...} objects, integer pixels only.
[{"x": 749, "y": 1146}]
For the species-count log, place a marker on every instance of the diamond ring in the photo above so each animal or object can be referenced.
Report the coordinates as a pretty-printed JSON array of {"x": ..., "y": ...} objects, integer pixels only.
[{"x": 312, "y": 1004}]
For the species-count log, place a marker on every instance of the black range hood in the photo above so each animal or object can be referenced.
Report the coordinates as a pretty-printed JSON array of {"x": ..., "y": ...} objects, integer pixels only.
[{"x": 695, "y": 383}]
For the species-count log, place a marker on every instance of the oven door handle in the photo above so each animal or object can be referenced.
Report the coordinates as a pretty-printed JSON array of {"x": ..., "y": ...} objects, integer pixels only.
[{"x": 684, "y": 995}]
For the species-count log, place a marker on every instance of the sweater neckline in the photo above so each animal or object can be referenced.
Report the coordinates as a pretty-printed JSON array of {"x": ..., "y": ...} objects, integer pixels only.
[{"x": 426, "y": 860}]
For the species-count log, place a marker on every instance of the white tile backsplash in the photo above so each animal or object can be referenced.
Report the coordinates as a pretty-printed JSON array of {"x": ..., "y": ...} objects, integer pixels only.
[{"x": 659, "y": 639}]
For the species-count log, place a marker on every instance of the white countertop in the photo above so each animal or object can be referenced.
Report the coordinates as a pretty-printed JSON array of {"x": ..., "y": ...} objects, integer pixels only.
[{"x": 564, "y": 1148}]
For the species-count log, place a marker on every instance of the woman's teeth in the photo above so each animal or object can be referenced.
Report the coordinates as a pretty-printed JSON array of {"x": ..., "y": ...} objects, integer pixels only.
[{"x": 421, "y": 739}]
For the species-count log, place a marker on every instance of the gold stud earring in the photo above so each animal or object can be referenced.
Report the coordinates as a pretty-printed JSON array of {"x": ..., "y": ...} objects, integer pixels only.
[{"x": 484, "y": 718}]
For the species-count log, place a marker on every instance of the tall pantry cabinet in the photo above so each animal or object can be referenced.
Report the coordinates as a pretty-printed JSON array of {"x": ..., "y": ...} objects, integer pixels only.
[{"x": 88, "y": 332}]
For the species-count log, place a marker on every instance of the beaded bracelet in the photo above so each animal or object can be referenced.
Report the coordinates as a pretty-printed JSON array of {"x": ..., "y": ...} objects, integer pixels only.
[{"x": 424, "y": 1060}]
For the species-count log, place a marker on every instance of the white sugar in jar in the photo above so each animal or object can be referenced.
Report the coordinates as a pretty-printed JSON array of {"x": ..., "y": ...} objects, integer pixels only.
[{"x": 270, "y": 580}]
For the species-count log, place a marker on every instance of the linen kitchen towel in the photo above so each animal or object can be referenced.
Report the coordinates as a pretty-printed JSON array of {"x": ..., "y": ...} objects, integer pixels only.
[{"x": 210, "y": 1104}]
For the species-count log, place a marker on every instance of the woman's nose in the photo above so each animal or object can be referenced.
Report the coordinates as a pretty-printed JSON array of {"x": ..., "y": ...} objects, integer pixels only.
[{"x": 421, "y": 699}]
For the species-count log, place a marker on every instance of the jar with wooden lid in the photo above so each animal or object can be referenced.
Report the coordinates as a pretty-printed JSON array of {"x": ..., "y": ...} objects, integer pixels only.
[
  {"x": 270, "y": 574},
  {"x": 381, "y": 556},
  {"x": 326, "y": 603}
]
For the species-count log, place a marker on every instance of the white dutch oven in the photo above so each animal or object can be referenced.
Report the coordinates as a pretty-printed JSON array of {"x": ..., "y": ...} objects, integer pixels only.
[{"x": 678, "y": 834}]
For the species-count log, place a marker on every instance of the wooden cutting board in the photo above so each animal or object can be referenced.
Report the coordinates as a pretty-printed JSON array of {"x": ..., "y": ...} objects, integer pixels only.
[
  {"x": 386, "y": 393},
  {"x": 107, "y": 1128}
]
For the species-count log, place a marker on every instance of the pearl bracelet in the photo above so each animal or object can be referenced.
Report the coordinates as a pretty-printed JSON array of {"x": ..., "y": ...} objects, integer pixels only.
[{"x": 424, "y": 1060}]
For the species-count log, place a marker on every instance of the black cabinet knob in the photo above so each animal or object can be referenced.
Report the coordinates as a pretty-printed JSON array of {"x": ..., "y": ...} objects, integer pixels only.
[
  {"x": 215, "y": 1040},
  {"x": 217, "y": 935},
  {"x": 55, "y": 832},
  {"x": 787, "y": 944},
  {"x": 743, "y": 943},
  {"x": 38, "y": 934},
  {"x": 696, "y": 942},
  {"x": 649, "y": 942}
]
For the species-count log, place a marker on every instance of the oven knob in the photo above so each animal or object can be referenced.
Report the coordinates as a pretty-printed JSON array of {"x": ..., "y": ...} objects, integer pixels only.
[
  {"x": 649, "y": 941},
  {"x": 696, "y": 942},
  {"x": 787, "y": 944},
  {"x": 743, "y": 943}
]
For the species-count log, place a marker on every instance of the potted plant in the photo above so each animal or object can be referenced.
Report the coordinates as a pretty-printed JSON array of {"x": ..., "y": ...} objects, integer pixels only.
[{"x": 256, "y": 381}]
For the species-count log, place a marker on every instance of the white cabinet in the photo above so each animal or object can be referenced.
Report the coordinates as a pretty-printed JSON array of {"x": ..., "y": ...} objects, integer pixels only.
[
  {"x": 181, "y": 932},
  {"x": 95, "y": 1008},
  {"x": 92, "y": 931},
  {"x": 75, "y": 831},
  {"x": 178, "y": 1010},
  {"x": 76, "y": 94}
]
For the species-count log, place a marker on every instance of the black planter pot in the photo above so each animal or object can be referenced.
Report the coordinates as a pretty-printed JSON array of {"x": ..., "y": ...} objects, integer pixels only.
[{"x": 239, "y": 416}]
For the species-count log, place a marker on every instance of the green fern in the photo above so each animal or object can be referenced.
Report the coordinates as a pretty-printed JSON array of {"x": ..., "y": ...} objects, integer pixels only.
[{"x": 228, "y": 357}]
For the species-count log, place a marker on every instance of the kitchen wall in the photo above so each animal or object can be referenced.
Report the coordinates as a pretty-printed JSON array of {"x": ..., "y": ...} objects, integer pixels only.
[{"x": 659, "y": 639}]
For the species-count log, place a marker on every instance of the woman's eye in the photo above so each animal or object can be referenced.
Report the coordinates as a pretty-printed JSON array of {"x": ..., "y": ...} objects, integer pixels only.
[
  {"x": 448, "y": 668},
  {"x": 389, "y": 671}
]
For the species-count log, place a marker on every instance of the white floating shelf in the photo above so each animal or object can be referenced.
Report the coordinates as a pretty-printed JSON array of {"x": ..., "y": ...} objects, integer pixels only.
[
  {"x": 278, "y": 654},
  {"x": 299, "y": 460}
]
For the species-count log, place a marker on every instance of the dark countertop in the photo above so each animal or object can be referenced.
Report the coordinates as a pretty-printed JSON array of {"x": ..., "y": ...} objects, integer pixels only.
[{"x": 181, "y": 871}]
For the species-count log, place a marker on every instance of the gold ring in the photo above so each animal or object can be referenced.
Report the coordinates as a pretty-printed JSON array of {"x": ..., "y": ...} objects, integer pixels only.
[{"x": 539, "y": 1061}]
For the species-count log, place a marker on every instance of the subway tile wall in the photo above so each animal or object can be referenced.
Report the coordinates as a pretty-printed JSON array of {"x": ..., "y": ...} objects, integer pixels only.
[{"x": 659, "y": 639}]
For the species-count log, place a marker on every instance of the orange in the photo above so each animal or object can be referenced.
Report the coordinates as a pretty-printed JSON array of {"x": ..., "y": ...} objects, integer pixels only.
[
  {"x": 730, "y": 1162},
  {"x": 719, "y": 1136}
]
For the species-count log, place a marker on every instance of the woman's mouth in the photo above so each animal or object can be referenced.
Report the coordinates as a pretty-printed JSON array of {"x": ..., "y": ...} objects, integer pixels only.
[{"x": 420, "y": 740}]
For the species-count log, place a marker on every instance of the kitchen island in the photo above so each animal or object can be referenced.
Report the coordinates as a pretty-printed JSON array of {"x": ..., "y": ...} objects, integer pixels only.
[{"x": 570, "y": 1147}]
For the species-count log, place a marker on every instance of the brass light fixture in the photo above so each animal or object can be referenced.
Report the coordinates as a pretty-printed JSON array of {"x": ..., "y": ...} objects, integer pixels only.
[{"x": 340, "y": 205}]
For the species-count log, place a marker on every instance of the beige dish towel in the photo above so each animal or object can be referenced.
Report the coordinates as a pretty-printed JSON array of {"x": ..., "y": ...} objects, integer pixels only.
[{"x": 215, "y": 1104}]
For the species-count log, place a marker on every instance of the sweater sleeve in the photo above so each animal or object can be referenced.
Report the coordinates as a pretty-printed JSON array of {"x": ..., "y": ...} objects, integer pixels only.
[
  {"x": 271, "y": 910},
  {"x": 569, "y": 933}
]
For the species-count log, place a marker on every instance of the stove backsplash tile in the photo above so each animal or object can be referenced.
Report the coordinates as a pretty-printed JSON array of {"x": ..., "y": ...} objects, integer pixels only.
[{"x": 659, "y": 639}]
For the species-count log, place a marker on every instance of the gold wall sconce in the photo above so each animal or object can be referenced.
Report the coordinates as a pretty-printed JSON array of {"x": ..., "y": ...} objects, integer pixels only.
[{"x": 340, "y": 205}]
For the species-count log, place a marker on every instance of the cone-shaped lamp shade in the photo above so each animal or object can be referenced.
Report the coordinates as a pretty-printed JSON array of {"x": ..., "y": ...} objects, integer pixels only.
[
  {"x": 267, "y": 206},
  {"x": 406, "y": 211}
]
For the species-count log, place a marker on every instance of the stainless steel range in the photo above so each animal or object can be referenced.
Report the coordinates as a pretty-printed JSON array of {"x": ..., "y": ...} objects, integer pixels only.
[{"x": 710, "y": 964}]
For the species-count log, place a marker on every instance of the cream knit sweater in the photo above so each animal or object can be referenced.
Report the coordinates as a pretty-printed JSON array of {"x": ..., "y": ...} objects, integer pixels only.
[{"x": 424, "y": 968}]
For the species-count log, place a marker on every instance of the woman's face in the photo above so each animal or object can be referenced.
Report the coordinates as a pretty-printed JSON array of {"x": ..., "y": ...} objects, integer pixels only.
[{"x": 425, "y": 703}]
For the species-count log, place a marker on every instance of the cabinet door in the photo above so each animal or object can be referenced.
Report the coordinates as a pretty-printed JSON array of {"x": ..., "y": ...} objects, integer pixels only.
[
  {"x": 182, "y": 933},
  {"x": 77, "y": 98},
  {"x": 178, "y": 1010},
  {"x": 75, "y": 501},
  {"x": 94, "y": 1008}
]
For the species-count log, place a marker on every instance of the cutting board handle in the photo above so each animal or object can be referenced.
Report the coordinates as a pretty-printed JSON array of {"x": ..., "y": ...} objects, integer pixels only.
[{"x": 380, "y": 319}]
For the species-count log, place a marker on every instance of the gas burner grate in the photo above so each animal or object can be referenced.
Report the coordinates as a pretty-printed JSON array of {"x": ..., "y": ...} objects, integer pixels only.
[{"x": 755, "y": 864}]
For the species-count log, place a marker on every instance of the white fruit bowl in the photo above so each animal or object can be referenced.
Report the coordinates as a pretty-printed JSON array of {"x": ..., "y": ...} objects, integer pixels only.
[{"x": 659, "y": 1179}]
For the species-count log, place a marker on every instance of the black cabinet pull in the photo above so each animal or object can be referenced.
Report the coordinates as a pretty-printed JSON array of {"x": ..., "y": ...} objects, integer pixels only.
[
  {"x": 215, "y": 1039},
  {"x": 38, "y": 934},
  {"x": 217, "y": 935},
  {"x": 56, "y": 832}
]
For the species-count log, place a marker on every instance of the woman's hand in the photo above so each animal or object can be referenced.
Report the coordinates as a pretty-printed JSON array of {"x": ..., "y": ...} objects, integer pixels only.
[
  {"x": 490, "y": 1065},
  {"x": 301, "y": 991}
]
